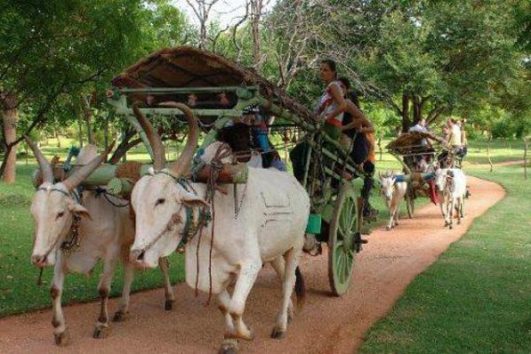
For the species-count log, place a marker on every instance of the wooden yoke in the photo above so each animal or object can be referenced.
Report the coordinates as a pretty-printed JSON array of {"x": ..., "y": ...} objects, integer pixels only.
[{"x": 228, "y": 174}]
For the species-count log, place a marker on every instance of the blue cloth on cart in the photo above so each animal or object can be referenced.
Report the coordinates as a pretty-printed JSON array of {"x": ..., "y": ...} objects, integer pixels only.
[
  {"x": 400, "y": 178},
  {"x": 426, "y": 177}
]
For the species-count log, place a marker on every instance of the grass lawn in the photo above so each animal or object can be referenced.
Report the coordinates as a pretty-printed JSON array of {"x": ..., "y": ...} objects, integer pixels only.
[
  {"x": 477, "y": 297},
  {"x": 18, "y": 289}
]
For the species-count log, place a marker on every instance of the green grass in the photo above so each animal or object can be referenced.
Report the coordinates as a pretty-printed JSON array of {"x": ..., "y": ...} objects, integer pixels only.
[
  {"x": 477, "y": 297},
  {"x": 500, "y": 151}
]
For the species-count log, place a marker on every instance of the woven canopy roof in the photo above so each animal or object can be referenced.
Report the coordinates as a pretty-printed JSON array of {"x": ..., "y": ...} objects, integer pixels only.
[
  {"x": 191, "y": 67},
  {"x": 412, "y": 141}
]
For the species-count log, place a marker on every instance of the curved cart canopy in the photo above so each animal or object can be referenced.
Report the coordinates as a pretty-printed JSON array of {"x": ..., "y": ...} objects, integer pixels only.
[
  {"x": 416, "y": 142},
  {"x": 172, "y": 74}
]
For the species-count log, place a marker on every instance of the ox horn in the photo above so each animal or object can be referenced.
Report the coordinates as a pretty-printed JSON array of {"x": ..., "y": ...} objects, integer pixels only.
[
  {"x": 159, "y": 160},
  {"x": 182, "y": 165},
  {"x": 81, "y": 174},
  {"x": 46, "y": 168}
]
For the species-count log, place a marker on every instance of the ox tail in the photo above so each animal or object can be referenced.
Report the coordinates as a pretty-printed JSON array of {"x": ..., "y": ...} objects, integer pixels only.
[{"x": 300, "y": 288}]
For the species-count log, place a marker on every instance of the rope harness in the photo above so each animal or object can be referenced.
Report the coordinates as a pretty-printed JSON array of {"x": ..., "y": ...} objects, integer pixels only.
[
  {"x": 102, "y": 191},
  {"x": 223, "y": 152}
]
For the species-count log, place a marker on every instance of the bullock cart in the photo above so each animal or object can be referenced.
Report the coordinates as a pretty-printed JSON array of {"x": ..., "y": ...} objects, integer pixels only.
[
  {"x": 219, "y": 92},
  {"x": 419, "y": 153}
]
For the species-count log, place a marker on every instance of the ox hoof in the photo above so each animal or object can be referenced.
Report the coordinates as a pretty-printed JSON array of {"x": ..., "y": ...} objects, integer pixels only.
[
  {"x": 277, "y": 333},
  {"x": 62, "y": 339},
  {"x": 388, "y": 228},
  {"x": 248, "y": 335},
  {"x": 101, "y": 332},
  {"x": 120, "y": 316},
  {"x": 168, "y": 305},
  {"x": 229, "y": 346}
]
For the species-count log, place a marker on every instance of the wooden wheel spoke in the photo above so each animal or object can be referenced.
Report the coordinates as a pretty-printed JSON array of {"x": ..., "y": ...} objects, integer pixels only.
[
  {"x": 342, "y": 232},
  {"x": 341, "y": 240},
  {"x": 338, "y": 245},
  {"x": 344, "y": 220},
  {"x": 342, "y": 267}
]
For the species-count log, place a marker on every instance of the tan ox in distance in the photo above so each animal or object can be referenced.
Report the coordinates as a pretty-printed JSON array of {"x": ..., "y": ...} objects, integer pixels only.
[
  {"x": 265, "y": 223},
  {"x": 393, "y": 193},
  {"x": 105, "y": 232}
]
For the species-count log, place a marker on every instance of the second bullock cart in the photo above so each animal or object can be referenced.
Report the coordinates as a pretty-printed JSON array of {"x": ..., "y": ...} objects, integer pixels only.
[{"x": 419, "y": 153}]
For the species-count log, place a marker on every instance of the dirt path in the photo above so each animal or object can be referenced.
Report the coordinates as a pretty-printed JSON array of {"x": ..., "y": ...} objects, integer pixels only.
[
  {"x": 326, "y": 325},
  {"x": 510, "y": 163}
]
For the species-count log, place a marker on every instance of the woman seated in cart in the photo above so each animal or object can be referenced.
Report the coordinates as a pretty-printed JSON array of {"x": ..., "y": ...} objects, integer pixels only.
[
  {"x": 332, "y": 103},
  {"x": 360, "y": 141},
  {"x": 330, "y": 109}
]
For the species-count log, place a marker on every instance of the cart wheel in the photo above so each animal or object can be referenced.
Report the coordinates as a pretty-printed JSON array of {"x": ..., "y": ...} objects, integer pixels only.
[
  {"x": 410, "y": 204},
  {"x": 344, "y": 228}
]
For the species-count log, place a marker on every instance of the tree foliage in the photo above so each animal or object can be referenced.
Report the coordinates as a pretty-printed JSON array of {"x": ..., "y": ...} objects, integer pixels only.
[{"x": 419, "y": 58}]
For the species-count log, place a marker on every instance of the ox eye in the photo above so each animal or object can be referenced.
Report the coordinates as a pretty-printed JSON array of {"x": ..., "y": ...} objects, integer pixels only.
[
  {"x": 60, "y": 215},
  {"x": 160, "y": 201}
]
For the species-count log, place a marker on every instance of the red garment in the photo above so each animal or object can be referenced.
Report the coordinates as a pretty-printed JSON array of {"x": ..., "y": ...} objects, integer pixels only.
[{"x": 434, "y": 196}]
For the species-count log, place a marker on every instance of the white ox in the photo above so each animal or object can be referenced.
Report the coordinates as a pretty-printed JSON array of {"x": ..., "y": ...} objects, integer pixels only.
[
  {"x": 451, "y": 185},
  {"x": 104, "y": 232},
  {"x": 393, "y": 193},
  {"x": 263, "y": 222}
]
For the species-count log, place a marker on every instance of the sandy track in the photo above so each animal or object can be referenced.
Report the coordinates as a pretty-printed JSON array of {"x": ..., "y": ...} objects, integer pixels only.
[{"x": 326, "y": 325}]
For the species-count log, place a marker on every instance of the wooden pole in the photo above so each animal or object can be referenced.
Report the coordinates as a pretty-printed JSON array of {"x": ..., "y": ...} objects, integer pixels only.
[
  {"x": 380, "y": 147},
  {"x": 488, "y": 152},
  {"x": 526, "y": 142}
]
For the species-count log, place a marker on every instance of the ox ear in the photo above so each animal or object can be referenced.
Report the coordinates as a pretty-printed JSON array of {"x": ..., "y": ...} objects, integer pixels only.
[
  {"x": 191, "y": 200},
  {"x": 79, "y": 209}
]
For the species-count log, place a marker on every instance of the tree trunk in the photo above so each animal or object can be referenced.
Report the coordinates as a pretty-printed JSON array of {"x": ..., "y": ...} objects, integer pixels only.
[
  {"x": 406, "y": 122},
  {"x": 124, "y": 146},
  {"x": 87, "y": 115},
  {"x": 56, "y": 133},
  {"x": 488, "y": 152},
  {"x": 417, "y": 109},
  {"x": 256, "y": 12},
  {"x": 80, "y": 132},
  {"x": 9, "y": 117},
  {"x": 106, "y": 129},
  {"x": 526, "y": 143}
]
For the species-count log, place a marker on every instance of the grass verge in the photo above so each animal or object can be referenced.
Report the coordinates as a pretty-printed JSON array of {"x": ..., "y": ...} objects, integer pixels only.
[{"x": 476, "y": 298}]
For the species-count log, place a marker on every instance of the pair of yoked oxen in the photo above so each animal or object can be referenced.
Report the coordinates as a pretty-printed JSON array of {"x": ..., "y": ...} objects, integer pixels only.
[{"x": 266, "y": 225}]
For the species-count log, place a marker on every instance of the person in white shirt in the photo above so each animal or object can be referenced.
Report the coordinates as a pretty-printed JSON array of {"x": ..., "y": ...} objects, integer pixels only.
[
  {"x": 455, "y": 134},
  {"x": 419, "y": 127}
]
